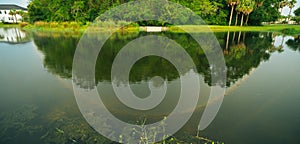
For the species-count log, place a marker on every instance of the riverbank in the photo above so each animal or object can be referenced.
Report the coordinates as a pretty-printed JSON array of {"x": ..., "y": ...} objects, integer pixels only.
[
  {"x": 77, "y": 28},
  {"x": 288, "y": 29},
  {"x": 291, "y": 29},
  {"x": 8, "y": 25}
]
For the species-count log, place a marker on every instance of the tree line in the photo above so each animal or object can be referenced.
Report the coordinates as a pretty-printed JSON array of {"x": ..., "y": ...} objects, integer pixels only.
[{"x": 218, "y": 12}]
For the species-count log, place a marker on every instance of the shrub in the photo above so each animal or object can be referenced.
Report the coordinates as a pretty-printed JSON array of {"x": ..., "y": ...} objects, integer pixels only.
[
  {"x": 109, "y": 23},
  {"x": 53, "y": 24},
  {"x": 65, "y": 24},
  {"x": 23, "y": 24},
  {"x": 297, "y": 19},
  {"x": 75, "y": 25},
  {"x": 284, "y": 22},
  {"x": 41, "y": 24},
  {"x": 122, "y": 23}
]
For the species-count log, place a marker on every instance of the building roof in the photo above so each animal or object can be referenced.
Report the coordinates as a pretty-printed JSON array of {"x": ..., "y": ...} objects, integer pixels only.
[{"x": 11, "y": 6}]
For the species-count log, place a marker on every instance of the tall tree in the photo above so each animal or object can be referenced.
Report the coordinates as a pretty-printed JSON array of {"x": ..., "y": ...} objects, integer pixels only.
[
  {"x": 13, "y": 13},
  {"x": 245, "y": 7},
  {"x": 249, "y": 9},
  {"x": 282, "y": 4},
  {"x": 232, "y": 4},
  {"x": 297, "y": 12},
  {"x": 267, "y": 12},
  {"x": 291, "y": 5}
]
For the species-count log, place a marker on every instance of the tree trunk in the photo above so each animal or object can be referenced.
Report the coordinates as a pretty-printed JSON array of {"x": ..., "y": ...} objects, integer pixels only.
[
  {"x": 281, "y": 11},
  {"x": 233, "y": 38},
  {"x": 282, "y": 41},
  {"x": 227, "y": 41},
  {"x": 246, "y": 23},
  {"x": 242, "y": 19},
  {"x": 239, "y": 38},
  {"x": 289, "y": 16},
  {"x": 232, "y": 7},
  {"x": 236, "y": 18}
]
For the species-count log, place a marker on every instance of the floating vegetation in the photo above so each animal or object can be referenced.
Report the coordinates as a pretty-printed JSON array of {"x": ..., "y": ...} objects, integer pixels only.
[
  {"x": 71, "y": 130},
  {"x": 61, "y": 128},
  {"x": 17, "y": 122}
]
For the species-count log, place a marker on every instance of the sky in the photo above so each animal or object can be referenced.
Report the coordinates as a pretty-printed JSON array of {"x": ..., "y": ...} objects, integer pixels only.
[{"x": 24, "y": 3}]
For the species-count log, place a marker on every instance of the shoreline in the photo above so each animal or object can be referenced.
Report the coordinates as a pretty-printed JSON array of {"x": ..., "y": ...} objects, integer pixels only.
[{"x": 290, "y": 29}]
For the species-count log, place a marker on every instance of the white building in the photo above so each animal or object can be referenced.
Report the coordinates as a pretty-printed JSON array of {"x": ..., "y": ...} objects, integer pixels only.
[{"x": 5, "y": 17}]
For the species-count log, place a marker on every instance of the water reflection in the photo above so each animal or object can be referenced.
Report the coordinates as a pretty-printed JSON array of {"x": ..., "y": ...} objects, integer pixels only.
[
  {"x": 61, "y": 121},
  {"x": 13, "y": 35},
  {"x": 294, "y": 44},
  {"x": 243, "y": 51}
]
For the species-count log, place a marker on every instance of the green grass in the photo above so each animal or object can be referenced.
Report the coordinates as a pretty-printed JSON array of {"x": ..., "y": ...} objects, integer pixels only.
[
  {"x": 77, "y": 30},
  {"x": 215, "y": 28},
  {"x": 8, "y": 25},
  {"x": 288, "y": 29},
  {"x": 47, "y": 29}
]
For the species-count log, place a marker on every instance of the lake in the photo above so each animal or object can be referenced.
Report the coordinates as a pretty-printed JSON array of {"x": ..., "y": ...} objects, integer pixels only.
[{"x": 261, "y": 103}]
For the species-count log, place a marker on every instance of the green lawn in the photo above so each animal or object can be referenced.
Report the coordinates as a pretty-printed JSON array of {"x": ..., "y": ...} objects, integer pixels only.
[
  {"x": 215, "y": 28},
  {"x": 289, "y": 29},
  {"x": 8, "y": 25}
]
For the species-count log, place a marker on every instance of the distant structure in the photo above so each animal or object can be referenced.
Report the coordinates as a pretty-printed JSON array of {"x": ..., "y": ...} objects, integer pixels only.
[{"x": 5, "y": 17}]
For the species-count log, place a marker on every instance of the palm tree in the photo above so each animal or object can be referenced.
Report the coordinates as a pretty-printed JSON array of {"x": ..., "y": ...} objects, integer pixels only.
[
  {"x": 236, "y": 17},
  {"x": 241, "y": 9},
  {"x": 282, "y": 4},
  {"x": 232, "y": 3},
  {"x": 245, "y": 7},
  {"x": 249, "y": 9},
  {"x": 13, "y": 13},
  {"x": 22, "y": 14},
  {"x": 291, "y": 5}
]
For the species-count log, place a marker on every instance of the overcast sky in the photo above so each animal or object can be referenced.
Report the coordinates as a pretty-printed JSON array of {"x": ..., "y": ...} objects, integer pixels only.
[{"x": 24, "y": 3}]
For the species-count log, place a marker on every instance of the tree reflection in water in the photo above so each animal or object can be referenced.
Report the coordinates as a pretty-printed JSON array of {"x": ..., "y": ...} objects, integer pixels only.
[{"x": 242, "y": 51}]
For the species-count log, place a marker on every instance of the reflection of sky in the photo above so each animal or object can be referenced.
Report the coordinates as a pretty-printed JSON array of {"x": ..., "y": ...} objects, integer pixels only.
[{"x": 24, "y": 3}]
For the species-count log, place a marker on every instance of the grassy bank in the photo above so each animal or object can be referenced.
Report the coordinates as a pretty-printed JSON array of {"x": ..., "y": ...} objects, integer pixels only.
[
  {"x": 214, "y": 28},
  {"x": 8, "y": 25},
  {"x": 79, "y": 28},
  {"x": 76, "y": 27}
]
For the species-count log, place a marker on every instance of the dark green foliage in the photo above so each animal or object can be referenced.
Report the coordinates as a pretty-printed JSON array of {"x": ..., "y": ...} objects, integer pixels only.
[
  {"x": 247, "y": 48},
  {"x": 212, "y": 12},
  {"x": 297, "y": 12},
  {"x": 268, "y": 12}
]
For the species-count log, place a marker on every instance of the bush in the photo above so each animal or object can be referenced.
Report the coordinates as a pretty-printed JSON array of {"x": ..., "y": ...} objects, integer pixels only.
[
  {"x": 284, "y": 22},
  {"x": 23, "y": 24},
  {"x": 65, "y": 24},
  {"x": 41, "y": 24},
  {"x": 53, "y": 24},
  {"x": 122, "y": 23},
  {"x": 75, "y": 25},
  {"x": 297, "y": 19},
  {"x": 108, "y": 23}
]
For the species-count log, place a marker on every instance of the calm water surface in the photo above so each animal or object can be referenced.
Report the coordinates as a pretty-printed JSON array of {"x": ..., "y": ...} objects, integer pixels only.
[{"x": 261, "y": 105}]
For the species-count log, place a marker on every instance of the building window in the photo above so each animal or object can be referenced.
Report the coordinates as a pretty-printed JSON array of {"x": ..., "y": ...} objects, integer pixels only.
[
  {"x": 0, "y": 12},
  {"x": 4, "y": 12}
]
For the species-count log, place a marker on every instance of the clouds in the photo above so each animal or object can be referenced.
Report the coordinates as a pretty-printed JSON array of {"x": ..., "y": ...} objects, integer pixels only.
[{"x": 22, "y": 3}]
